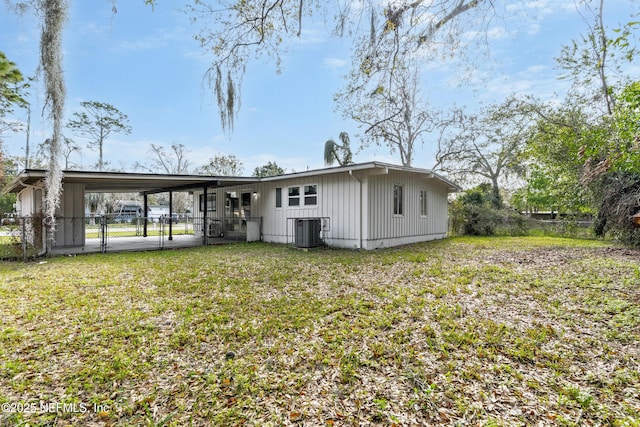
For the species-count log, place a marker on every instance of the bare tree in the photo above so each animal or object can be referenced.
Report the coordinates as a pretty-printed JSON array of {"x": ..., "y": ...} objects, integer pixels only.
[
  {"x": 488, "y": 146},
  {"x": 237, "y": 31},
  {"x": 68, "y": 147},
  {"x": 394, "y": 115},
  {"x": 172, "y": 161}
]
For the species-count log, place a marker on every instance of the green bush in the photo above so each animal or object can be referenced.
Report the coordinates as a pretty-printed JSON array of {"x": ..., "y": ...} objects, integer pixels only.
[
  {"x": 479, "y": 220},
  {"x": 474, "y": 214},
  {"x": 619, "y": 195}
]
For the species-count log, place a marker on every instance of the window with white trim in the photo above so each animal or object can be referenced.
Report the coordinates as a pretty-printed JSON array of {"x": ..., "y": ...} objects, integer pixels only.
[
  {"x": 311, "y": 194},
  {"x": 294, "y": 196},
  {"x": 424, "y": 206},
  {"x": 397, "y": 199},
  {"x": 306, "y": 195},
  {"x": 278, "y": 197}
]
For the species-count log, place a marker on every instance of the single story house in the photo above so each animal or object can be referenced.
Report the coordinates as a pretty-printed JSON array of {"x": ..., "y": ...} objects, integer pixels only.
[{"x": 361, "y": 206}]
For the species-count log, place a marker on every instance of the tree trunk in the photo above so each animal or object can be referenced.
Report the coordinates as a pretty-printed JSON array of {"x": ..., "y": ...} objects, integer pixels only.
[{"x": 496, "y": 199}]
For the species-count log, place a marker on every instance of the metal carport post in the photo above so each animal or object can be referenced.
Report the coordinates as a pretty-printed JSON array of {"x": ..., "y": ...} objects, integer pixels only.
[{"x": 170, "y": 215}]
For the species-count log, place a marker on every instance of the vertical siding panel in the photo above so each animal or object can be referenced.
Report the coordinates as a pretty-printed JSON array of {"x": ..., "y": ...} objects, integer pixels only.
[
  {"x": 375, "y": 207},
  {"x": 354, "y": 211},
  {"x": 339, "y": 223},
  {"x": 411, "y": 226},
  {"x": 380, "y": 194},
  {"x": 335, "y": 201},
  {"x": 326, "y": 190},
  {"x": 372, "y": 204}
]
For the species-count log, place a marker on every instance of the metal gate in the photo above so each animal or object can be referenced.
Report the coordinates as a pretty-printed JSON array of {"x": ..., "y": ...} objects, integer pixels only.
[{"x": 130, "y": 236}]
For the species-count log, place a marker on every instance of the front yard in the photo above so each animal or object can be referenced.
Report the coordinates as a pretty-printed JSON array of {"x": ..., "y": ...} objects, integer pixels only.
[{"x": 468, "y": 331}]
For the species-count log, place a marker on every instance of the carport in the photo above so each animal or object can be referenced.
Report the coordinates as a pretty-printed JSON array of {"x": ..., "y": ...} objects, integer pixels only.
[{"x": 70, "y": 234}]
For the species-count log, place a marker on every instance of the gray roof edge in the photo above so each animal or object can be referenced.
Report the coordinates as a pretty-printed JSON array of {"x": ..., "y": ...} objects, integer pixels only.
[
  {"x": 31, "y": 172},
  {"x": 41, "y": 173},
  {"x": 362, "y": 166},
  {"x": 19, "y": 181}
]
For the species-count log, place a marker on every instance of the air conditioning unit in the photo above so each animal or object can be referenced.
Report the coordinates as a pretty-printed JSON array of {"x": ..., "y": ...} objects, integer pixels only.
[
  {"x": 308, "y": 232},
  {"x": 215, "y": 229}
]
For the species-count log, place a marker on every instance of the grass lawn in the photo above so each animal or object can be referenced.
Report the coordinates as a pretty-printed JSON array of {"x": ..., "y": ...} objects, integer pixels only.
[
  {"x": 468, "y": 331},
  {"x": 11, "y": 247}
]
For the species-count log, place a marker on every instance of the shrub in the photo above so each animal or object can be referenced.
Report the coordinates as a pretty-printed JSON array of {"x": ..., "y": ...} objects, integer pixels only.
[
  {"x": 474, "y": 214},
  {"x": 619, "y": 195}
]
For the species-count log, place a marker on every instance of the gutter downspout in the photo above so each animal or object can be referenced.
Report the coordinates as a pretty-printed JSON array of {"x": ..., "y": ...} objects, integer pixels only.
[{"x": 360, "y": 220}]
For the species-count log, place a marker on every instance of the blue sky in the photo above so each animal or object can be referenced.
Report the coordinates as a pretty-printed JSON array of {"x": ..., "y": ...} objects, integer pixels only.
[{"x": 146, "y": 63}]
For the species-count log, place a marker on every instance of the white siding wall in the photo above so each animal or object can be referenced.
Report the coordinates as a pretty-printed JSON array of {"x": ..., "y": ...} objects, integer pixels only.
[
  {"x": 386, "y": 229},
  {"x": 339, "y": 199},
  {"x": 70, "y": 224},
  {"x": 24, "y": 203},
  {"x": 29, "y": 201}
]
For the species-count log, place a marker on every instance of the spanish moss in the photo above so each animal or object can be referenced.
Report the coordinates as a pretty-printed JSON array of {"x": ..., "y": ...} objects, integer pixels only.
[
  {"x": 227, "y": 98},
  {"x": 54, "y": 15}
]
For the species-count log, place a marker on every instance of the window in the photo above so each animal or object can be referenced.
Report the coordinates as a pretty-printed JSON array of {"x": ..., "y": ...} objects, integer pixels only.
[
  {"x": 310, "y": 194},
  {"x": 211, "y": 202},
  {"x": 397, "y": 200},
  {"x": 294, "y": 196},
  {"x": 299, "y": 196},
  {"x": 423, "y": 203},
  {"x": 278, "y": 197}
]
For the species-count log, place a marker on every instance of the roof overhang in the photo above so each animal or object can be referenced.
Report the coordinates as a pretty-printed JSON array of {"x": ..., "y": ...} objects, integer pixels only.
[
  {"x": 147, "y": 183},
  {"x": 122, "y": 182},
  {"x": 370, "y": 168}
]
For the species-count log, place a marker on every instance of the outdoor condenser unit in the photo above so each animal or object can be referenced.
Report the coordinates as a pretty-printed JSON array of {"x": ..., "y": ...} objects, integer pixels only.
[
  {"x": 308, "y": 232},
  {"x": 215, "y": 229}
]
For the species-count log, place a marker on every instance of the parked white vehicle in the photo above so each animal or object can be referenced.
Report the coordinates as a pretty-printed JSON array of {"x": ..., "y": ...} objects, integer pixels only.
[
  {"x": 154, "y": 213},
  {"x": 128, "y": 213}
]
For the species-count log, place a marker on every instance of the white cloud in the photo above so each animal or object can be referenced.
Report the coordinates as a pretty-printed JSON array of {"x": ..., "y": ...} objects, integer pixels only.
[
  {"x": 198, "y": 55},
  {"x": 93, "y": 28},
  {"x": 531, "y": 81},
  {"x": 543, "y": 8},
  {"x": 159, "y": 38},
  {"x": 533, "y": 28},
  {"x": 498, "y": 33},
  {"x": 199, "y": 156},
  {"x": 334, "y": 63},
  {"x": 310, "y": 36},
  {"x": 493, "y": 33},
  {"x": 534, "y": 69}
]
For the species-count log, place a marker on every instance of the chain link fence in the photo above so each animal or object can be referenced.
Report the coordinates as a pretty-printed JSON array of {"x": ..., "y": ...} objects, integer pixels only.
[
  {"x": 28, "y": 237},
  {"x": 118, "y": 233},
  {"x": 22, "y": 238}
]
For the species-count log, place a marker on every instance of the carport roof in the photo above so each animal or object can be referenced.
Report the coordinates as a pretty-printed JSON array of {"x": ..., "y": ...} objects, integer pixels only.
[{"x": 125, "y": 182}]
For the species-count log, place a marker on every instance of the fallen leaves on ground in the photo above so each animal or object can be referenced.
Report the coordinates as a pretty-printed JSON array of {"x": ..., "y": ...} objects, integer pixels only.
[{"x": 477, "y": 332}]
